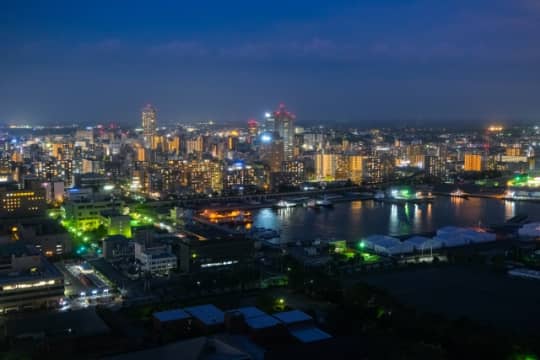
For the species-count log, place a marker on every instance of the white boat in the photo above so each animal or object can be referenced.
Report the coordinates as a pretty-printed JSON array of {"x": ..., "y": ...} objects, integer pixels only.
[
  {"x": 459, "y": 194},
  {"x": 282, "y": 204},
  {"x": 324, "y": 202}
]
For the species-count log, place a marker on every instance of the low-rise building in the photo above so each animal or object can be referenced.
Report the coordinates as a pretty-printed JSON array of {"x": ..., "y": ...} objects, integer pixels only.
[
  {"x": 27, "y": 279},
  {"x": 155, "y": 258},
  {"x": 86, "y": 214},
  {"x": 45, "y": 234},
  {"x": 116, "y": 223},
  {"x": 214, "y": 252},
  {"x": 118, "y": 247}
]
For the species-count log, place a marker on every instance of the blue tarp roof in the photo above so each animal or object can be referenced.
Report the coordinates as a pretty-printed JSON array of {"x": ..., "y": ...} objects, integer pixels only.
[
  {"x": 256, "y": 318},
  {"x": 293, "y": 316},
  {"x": 171, "y": 315},
  {"x": 208, "y": 314},
  {"x": 249, "y": 311},
  {"x": 310, "y": 334}
]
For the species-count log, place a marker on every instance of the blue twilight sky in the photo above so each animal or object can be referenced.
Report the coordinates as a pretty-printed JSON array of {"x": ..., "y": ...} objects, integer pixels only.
[{"x": 329, "y": 61}]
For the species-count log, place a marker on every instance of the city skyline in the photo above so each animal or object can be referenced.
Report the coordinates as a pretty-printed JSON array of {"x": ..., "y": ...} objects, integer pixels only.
[
  {"x": 354, "y": 179},
  {"x": 344, "y": 62}
]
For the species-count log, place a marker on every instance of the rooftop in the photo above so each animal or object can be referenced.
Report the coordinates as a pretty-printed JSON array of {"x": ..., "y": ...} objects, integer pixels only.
[
  {"x": 44, "y": 270},
  {"x": 248, "y": 311},
  {"x": 171, "y": 315},
  {"x": 17, "y": 249},
  {"x": 73, "y": 323},
  {"x": 262, "y": 322},
  {"x": 208, "y": 314},
  {"x": 309, "y": 334},
  {"x": 256, "y": 318},
  {"x": 293, "y": 316},
  {"x": 191, "y": 349}
]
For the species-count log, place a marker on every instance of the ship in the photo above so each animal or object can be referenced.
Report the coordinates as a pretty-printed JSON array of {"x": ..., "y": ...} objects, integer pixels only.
[
  {"x": 379, "y": 195},
  {"x": 283, "y": 204},
  {"x": 405, "y": 194},
  {"x": 459, "y": 194},
  {"x": 324, "y": 202},
  {"x": 319, "y": 203},
  {"x": 227, "y": 217}
]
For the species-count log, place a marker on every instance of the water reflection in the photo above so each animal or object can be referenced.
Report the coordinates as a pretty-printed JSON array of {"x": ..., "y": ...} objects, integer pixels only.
[
  {"x": 457, "y": 200},
  {"x": 265, "y": 218},
  {"x": 509, "y": 209},
  {"x": 394, "y": 219},
  {"x": 417, "y": 218},
  {"x": 350, "y": 221},
  {"x": 356, "y": 205},
  {"x": 285, "y": 212}
]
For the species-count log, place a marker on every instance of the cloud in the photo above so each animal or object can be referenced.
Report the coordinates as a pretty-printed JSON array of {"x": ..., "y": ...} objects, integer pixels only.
[
  {"x": 180, "y": 48},
  {"x": 104, "y": 45}
]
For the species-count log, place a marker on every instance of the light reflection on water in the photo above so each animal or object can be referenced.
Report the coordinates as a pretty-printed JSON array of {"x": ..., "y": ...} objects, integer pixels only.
[
  {"x": 509, "y": 209},
  {"x": 354, "y": 220}
]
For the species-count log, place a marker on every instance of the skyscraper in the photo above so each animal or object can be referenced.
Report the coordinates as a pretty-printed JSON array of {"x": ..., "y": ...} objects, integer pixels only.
[
  {"x": 149, "y": 122},
  {"x": 284, "y": 126}
]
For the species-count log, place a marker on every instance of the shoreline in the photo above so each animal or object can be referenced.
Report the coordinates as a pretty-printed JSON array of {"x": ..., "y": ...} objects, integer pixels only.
[{"x": 271, "y": 205}]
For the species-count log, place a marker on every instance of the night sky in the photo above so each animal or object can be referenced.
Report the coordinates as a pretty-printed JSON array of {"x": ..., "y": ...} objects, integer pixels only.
[{"x": 329, "y": 61}]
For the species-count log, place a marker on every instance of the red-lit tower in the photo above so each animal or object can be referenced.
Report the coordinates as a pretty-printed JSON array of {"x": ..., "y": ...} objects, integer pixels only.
[{"x": 253, "y": 127}]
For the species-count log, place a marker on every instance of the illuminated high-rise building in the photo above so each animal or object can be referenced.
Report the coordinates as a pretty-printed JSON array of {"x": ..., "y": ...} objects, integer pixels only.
[
  {"x": 239, "y": 175},
  {"x": 253, "y": 130},
  {"x": 232, "y": 141},
  {"x": 473, "y": 162},
  {"x": 157, "y": 142},
  {"x": 141, "y": 154},
  {"x": 253, "y": 127},
  {"x": 356, "y": 168},
  {"x": 173, "y": 144},
  {"x": 271, "y": 152},
  {"x": 325, "y": 166},
  {"x": 149, "y": 123},
  {"x": 195, "y": 145},
  {"x": 284, "y": 127}
]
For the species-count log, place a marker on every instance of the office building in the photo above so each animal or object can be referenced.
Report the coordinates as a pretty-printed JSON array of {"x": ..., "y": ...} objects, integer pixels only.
[
  {"x": 27, "y": 280},
  {"x": 284, "y": 127},
  {"x": 22, "y": 203},
  {"x": 473, "y": 162}
]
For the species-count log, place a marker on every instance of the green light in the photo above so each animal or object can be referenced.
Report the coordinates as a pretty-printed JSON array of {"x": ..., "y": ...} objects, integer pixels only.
[
  {"x": 194, "y": 256},
  {"x": 525, "y": 357},
  {"x": 362, "y": 244},
  {"x": 81, "y": 249}
]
